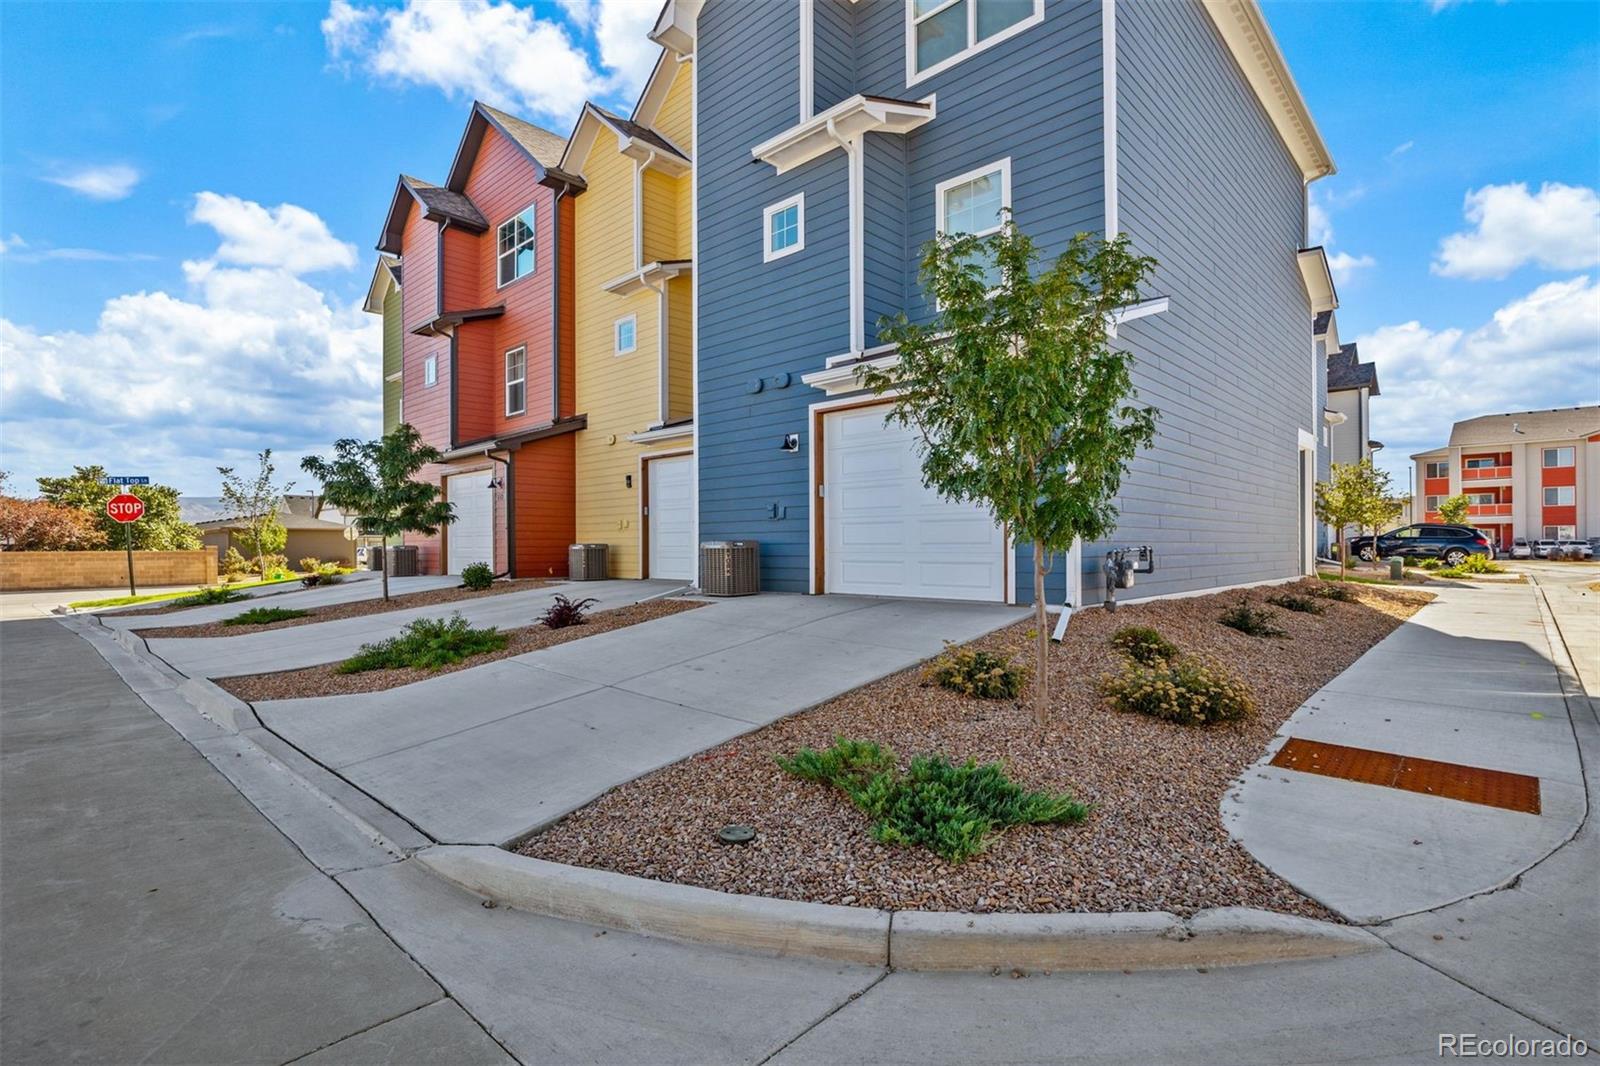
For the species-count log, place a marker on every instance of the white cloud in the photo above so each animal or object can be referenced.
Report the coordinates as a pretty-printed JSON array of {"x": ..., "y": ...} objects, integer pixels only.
[
  {"x": 1319, "y": 226},
  {"x": 12, "y": 243},
  {"x": 619, "y": 29},
  {"x": 1541, "y": 350},
  {"x": 1344, "y": 265},
  {"x": 246, "y": 357},
  {"x": 1401, "y": 149},
  {"x": 1557, "y": 227},
  {"x": 113, "y": 181},
  {"x": 285, "y": 237},
  {"x": 485, "y": 49}
]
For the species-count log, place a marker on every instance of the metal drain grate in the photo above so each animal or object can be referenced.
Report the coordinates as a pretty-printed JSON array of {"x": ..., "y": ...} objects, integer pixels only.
[{"x": 1470, "y": 784}]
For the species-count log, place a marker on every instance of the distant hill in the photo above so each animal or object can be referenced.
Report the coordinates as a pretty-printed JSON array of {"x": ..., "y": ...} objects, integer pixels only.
[{"x": 194, "y": 509}]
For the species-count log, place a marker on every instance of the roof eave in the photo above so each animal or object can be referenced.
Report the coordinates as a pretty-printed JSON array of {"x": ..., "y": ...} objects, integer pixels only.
[{"x": 826, "y": 131}]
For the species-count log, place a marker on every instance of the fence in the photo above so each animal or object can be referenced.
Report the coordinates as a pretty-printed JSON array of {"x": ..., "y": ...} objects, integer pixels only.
[{"x": 104, "y": 569}]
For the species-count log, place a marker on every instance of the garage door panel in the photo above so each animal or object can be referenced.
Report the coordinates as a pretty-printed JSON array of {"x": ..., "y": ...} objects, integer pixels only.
[
  {"x": 887, "y": 534},
  {"x": 671, "y": 519},
  {"x": 470, "y": 538}
]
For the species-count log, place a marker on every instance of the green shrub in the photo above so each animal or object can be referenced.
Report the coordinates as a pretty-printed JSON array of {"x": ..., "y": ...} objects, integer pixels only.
[
  {"x": 272, "y": 564},
  {"x": 947, "y": 808},
  {"x": 1190, "y": 691},
  {"x": 477, "y": 577},
  {"x": 260, "y": 616},
  {"x": 426, "y": 644},
  {"x": 1295, "y": 601},
  {"x": 564, "y": 612},
  {"x": 1247, "y": 618},
  {"x": 235, "y": 563},
  {"x": 206, "y": 597},
  {"x": 1144, "y": 645},
  {"x": 1339, "y": 593},
  {"x": 1480, "y": 564},
  {"x": 310, "y": 564},
  {"x": 233, "y": 577},
  {"x": 323, "y": 574},
  {"x": 977, "y": 673}
]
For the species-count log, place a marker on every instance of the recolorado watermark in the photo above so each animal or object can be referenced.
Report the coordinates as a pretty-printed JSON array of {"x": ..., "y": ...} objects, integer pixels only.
[{"x": 1473, "y": 1046}]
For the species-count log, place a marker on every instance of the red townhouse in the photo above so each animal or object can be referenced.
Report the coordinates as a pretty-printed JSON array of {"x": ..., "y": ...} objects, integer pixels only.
[{"x": 487, "y": 368}]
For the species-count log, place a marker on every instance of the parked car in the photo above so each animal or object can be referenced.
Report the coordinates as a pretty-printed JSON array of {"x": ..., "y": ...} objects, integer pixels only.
[
  {"x": 1521, "y": 549},
  {"x": 1425, "y": 540},
  {"x": 1541, "y": 548},
  {"x": 1572, "y": 549}
]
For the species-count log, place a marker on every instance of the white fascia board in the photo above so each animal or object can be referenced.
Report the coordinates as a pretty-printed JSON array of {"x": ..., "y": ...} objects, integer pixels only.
[
  {"x": 660, "y": 433},
  {"x": 675, "y": 26},
  {"x": 849, "y": 118},
  {"x": 1334, "y": 418},
  {"x": 1318, "y": 279},
  {"x": 834, "y": 380},
  {"x": 647, "y": 277}
]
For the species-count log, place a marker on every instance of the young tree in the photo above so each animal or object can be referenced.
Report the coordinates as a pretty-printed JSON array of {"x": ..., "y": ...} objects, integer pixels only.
[
  {"x": 1021, "y": 402},
  {"x": 255, "y": 502},
  {"x": 374, "y": 480},
  {"x": 161, "y": 529},
  {"x": 1453, "y": 511},
  {"x": 1356, "y": 494}
]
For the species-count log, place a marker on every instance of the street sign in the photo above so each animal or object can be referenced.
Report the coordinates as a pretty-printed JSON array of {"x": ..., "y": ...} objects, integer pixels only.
[
  {"x": 125, "y": 507},
  {"x": 124, "y": 479}
]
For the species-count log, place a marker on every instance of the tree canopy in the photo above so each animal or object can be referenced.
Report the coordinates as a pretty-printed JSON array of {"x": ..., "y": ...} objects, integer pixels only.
[{"x": 161, "y": 529}]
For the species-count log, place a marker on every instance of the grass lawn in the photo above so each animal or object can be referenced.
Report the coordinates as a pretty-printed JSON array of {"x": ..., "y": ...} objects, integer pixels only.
[{"x": 128, "y": 601}]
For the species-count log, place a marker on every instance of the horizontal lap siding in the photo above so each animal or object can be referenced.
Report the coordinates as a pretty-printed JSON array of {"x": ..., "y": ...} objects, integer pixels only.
[
  {"x": 760, "y": 321},
  {"x": 833, "y": 50},
  {"x": 426, "y": 407},
  {"x": 503, "y": 181},
  {"x": 1209, "y": 190},
  {"x": 479, "y": 396},
  {"x": 393, "y": 355}
]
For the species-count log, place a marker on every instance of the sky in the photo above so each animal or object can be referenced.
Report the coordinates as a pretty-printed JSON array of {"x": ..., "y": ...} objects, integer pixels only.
[{"x": 190, "y": 195}]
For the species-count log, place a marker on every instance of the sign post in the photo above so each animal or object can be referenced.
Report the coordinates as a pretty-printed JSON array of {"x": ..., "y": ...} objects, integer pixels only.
[{"x": 127, "y": 509}]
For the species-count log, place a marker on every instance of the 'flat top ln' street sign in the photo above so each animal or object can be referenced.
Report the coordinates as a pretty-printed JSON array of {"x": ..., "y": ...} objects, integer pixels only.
[{"x": 124, "y": 479}]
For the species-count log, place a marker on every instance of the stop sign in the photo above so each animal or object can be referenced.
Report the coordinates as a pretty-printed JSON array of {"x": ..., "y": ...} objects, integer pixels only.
[{"x": 125, "y": 507}]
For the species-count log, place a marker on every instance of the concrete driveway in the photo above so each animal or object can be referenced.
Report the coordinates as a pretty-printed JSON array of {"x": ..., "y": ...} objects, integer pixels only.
[
  {"x": 487, "y": 755},
  {"x": 326, "y": 642}
]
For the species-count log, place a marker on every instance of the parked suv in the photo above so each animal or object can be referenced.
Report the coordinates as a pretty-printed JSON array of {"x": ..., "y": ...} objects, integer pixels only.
[
  {"x": 1572, "y": 549},
  {"x": 1426, "y": 540},
  {"x": 1541, "y": 548},
  {"x": 1521, "y": 549}
]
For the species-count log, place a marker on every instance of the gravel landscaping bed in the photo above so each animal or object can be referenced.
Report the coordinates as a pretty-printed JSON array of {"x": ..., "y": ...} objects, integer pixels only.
[
  {"x": 1154, "y": 841},
  {"x": 354, "y": 609},
  {"x": 324, "y": 680}
]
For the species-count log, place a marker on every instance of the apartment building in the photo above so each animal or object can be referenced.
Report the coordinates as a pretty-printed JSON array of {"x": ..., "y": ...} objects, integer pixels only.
[
  {"x": 1532, "y": 474},
  {"x": 834, "y": 138},
  {"x": 635, "y": 343},
  {"x": 485, "y": 323}
]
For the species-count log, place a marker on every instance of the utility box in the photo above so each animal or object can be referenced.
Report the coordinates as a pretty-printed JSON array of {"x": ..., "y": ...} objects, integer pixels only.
[
  {"x": 730, "y": 567},
  {"x": 375, "y": 557},
  {"x": 405, "y": 560},
  {"x": 588, "y": 562},
  {"x": 1397, "y": 568}
]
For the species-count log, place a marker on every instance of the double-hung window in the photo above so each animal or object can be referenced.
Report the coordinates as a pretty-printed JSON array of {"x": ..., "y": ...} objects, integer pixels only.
[
  {"x": 783, "y": 228},
  {"x": 516, "y": 381},
  {"x": 941, "y": 33},
  {"x": 1559, "y": 496},
  {"x": 1560, "y": 456},
  {"x": 514, "y": 245},
  {"x": 1438, "y": 470},
  {"x": 975, "y": 203},
  {"x": 1433, "y": 502}
]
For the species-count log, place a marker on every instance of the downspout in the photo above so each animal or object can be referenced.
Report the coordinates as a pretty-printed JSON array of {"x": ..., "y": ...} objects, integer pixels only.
[
  {"x": 555, "y": 306},
  {"x": 858, "y": 310}
]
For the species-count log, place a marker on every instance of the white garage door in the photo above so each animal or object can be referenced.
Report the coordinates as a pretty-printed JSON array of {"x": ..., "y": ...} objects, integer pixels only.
[
  {"x": 671, "y": 546},
  {"x": 887, "y": 535},
  {"x": 471, "y": 536}
]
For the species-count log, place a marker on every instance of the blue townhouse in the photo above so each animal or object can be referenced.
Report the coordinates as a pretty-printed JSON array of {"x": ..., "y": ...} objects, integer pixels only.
[{"x": 835, "y": 137}]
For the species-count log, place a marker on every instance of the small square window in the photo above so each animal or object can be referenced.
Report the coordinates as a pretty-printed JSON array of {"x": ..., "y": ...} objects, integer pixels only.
[
  {"x": 975, "y": 203},
  {"x": 783, "y": 228},
  {"x": 430, "y": 371},
  {"x": 626, "y": 334}
]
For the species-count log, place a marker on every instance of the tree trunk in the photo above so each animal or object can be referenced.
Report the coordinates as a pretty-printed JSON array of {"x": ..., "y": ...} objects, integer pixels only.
[
  {"x": 1041, "y": 678},
  {"x": 387, "y": 555},
  {"x": 1344, "y": 552}
]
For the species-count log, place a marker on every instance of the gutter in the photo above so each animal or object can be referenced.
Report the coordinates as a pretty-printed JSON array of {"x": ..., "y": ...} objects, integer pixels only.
[{"x": 555, "y": 307}]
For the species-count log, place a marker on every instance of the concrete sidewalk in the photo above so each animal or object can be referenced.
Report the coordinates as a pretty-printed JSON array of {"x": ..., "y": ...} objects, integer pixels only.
[
  {"x": 150, "y": 914},
  {"x": 1470, "y": 679},
  {"x": 326, "y": 642},
  {"x": 358, "y": 586},
  {"x": 486, "y": 755}
]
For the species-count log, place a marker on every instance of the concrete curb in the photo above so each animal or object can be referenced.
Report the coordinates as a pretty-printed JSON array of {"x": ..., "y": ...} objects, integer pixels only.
[{"x": 905, "y": 940}]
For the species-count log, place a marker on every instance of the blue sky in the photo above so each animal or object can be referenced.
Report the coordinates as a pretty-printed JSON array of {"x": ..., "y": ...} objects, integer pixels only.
[{"x": 189, "y": 195}]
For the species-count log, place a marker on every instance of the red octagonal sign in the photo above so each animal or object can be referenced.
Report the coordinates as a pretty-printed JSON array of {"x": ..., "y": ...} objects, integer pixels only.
[{"x": 125, "y": 507}]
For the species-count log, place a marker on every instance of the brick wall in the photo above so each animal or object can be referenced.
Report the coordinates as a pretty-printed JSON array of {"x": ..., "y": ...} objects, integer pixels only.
[{"x": 107, "y": 569}]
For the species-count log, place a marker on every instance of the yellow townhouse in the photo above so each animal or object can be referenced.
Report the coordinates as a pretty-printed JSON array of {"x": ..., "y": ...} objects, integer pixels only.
[{"x": 634, "y": 308}]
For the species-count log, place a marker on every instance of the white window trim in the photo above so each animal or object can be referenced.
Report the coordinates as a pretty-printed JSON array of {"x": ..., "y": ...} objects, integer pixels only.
[
  {"x": 616, "y": 335},
  {"x": 1558, "y": 464},
  {"x": 498, "y": 255},
  {"x": 1571, "y": 490},
  {"x": 913, "y": 75},
  {"x": 523, "y": 380},
  {"x": 798, "y": 202},
  {"x": 1002, "y": 165},
  {"x": 430, "y": 371}
]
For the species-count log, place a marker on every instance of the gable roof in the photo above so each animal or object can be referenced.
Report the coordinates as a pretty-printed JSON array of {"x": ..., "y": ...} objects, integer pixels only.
[
  {"x": 629, "y": 128},
  {"x": 438, "y": 204},
  {"x": 1319, "y": 325},
  {"x": 541, "y": 147},
  {"x": 387, "y": 271},
  {"x": 634, "y": 139},
  {"x": 1561, "y": 423},
  {"x": 1347, "y": 371}
]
